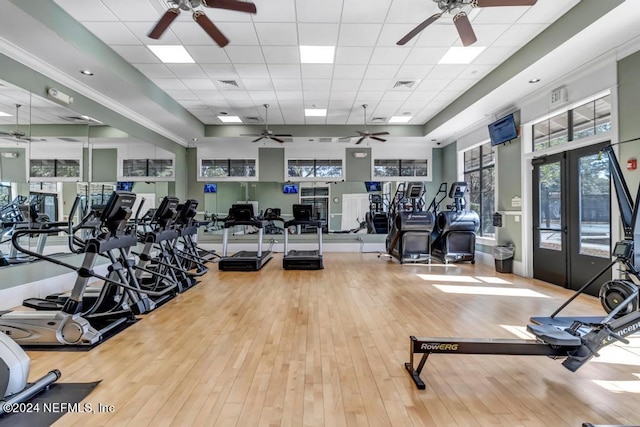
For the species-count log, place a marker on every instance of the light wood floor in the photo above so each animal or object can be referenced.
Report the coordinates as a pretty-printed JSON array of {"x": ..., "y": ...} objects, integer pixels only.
[{"x": 327, "y": 348}]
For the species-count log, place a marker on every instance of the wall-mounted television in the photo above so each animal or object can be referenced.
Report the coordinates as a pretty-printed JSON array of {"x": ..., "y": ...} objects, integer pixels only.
[
  {"x": 211, "y": 188},
  {"x": 290, "y": 188},
  {"x": 503, "y": 130},
  {"x": 124, "y": 186},
  {"x": 373, "y": 186}
]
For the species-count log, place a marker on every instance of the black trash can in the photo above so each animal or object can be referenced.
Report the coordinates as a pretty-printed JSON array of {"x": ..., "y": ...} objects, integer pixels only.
[{"x": 503, "y": 256}]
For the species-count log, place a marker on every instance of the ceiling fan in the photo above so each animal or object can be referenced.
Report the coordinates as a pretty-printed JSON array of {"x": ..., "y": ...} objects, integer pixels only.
[
  {"x": 17, "y": 133},
  {"x": 459, "y": 10},
  {"x": 266, "y": 133},
  {"x": 200, "y": 17},
  {"x": 366, "y": 134}
]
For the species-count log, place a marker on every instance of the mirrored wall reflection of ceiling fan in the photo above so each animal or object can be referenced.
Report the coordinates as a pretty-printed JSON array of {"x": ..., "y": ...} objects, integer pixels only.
[
  {"x": 16, "y": 134},
  {"x": 366, "y": 134},
  {"x": 460, "y": 9},
  {"x": 266, "y": 133},
  {"x": 200, "y": 17}
]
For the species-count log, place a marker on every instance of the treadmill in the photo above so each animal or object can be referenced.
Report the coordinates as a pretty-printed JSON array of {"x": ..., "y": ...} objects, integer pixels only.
[
  {"x": 297, "y": 259},
  {"x": 242, "y": 214}
]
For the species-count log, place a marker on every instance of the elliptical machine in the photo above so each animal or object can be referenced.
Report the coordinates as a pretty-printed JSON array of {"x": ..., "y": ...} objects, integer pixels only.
[
  {"x": 14, "y": 372},
  {"x": 454, "y": 234}
]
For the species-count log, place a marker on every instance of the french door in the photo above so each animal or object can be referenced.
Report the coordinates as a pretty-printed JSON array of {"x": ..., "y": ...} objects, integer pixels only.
[{"x": 572, "y": 217}]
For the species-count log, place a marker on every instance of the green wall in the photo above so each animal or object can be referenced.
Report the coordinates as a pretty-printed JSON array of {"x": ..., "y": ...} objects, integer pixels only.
[
  {"x": 271, "y": 164},
  {"x": 13, "y": 169},
  {"x": 509, "y": 182},
  {"x": 628, "y": 114},
  {"x": 358, "y": 169},
  {"x": 104, "y": 165}
]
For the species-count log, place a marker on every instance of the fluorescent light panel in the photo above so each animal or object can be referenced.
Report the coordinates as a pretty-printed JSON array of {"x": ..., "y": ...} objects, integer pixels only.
[
  {"x": 317, "y": 54},
  {"x": 461, "y": 55},
  {"x": 5, "y": 114},
  {"x": 315, "y": 112},
  {"x": 230, "y": 119},
  {"x": 175, "y": 54},
  {"x": 400, "y": 119}
]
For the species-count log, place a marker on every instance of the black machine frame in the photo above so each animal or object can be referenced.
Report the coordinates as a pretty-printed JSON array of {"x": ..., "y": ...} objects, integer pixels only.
[
  {"x": 302, "y": 259},
  {"x": 242, "y": 214}
]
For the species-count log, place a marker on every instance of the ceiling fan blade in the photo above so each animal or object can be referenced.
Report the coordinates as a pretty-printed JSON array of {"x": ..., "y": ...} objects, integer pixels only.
[
  {"x": 256, "y": 140},
  {"x": 164, "y": 23},
  {"x": 493, "y": 3},
  {"x": 419, "y": 28},
  {"x": 284, "y": 135},
  {"x": 360, "y": 140},
  {"x": 210, "y": 28},
  {"x": 240, "y": 6},
  {"x": 378, "y": 139},
  {"x": 276, "y": 139},
  {"x": 467, "y": 36},
  {"x": 380, "y": 133}
]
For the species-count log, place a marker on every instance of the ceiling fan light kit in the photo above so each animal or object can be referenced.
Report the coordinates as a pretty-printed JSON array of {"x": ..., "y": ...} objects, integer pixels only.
[{"x": 17, "y": 133}]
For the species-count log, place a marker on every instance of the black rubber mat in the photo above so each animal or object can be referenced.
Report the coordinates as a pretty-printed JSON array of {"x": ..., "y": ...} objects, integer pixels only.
[{"x": 47, "y": 407}]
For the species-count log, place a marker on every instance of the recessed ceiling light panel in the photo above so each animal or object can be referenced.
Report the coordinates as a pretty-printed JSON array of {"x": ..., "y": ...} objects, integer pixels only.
[
  {"x": 86, "y": 72},
  {"x": 172, "y": 54},
  {"x": 315, "y": 112},
  {"x": 400, "y": 119},
  {"x": 317, "y": 54},
  {"x": 461, "y": 55},
  {"x": 230, "y": 119},
  {"x": 2, "y": 114}
]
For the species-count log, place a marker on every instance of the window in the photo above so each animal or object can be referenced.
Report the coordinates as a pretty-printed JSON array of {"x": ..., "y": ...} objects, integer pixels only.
[
  {"x": 589, "y": 119},
  {"x": 479, "y": 173},
  {"x": 147, "y": 168},
  {"x": 310, "y": 168},
  {"x": 55, "y": 168},
  {"x": 5, "y": 193},
  {"x": 214, "y": 168},
  {"x": 399, "y": 167}
]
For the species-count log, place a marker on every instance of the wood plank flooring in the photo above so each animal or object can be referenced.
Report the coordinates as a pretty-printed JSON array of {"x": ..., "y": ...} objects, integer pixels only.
[{"x": 327, "y": 348}]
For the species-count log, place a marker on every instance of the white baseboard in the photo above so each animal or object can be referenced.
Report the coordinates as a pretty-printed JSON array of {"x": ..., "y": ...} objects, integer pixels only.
[{"x": 279, "y": 247}]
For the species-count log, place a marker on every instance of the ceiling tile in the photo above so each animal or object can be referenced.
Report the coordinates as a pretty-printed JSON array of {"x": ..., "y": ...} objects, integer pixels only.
[
  {"x": 237, "y": 95},
  {"x": 210, "y": 95},
  {"x": 318, "y": 11},
  {"x": 343, "y": 97},
  {"x": 353, "y": 55},
  {"x": 441, "y": 34},
  {"x": 318, "y": 34},
  {"x": 374, "y": 85},
  {"x": 412, "y": 72},
  {"x": 87, "y": 11},
  {"x": 365, "y": 11},
  {"x": 494, "y": 55},
  {"x": 257, "y": 84},
  {"x": 381, "y": 71},
  {"x": 284, "y": 71},
  {"x": 267, "y": 96},
  {"x": 239, "y": 33},
  {"x": 281, "y": 54},
  {"x": 390, "y": 55},
  {"x": 275, "y": 11},
  {"x": 245, "y": 54},
  {"x": 461, "y": 84},
  {"x": 187, "y": 71},
  {"x": 396, "y": 95},
  {"x": 349, "y": 71},
  {"x": 207, "y": 54},
  {"x": 290, "y": 95},
  {"x": 488, "y": 34},
  {"x": 199, "y": 84},
  {"x": 345, "y": 85},
  {"x": 136, "y": 54},
  {"x": 277, "y": 33},
  {"x": 391, "y": 33},
  {"x": 190, "y": 33},
  {"x": 431, "y": 85},
  {"x": 220, "y": 71},
  {"x": 446, "y": 95},
  {"x": 316, "y": 84},
  {"x": 519, "y": 35},
  {"x": 141, "y": 29},
  {"x": 316, "y": 71},
  {"x": 411, "y": 11},
  {"x": 154, "y": 71},
  {"x": 180, "y": 95},
  {"x": 425, "y": 55},
  {"x": 287, "y": 84},
  {"x": 313, "y": 96},
  {"x": 499, "y": 15},
  {"x": 445, "y": 71},
  {"x": 546, "y": 11},
  {"x": 112, "y": 33},
  {"x": 127, "y": 10},
  {"x": 252, "y": 71},
  {"x": 368, "y": 96},
  {"x": 359, "y": 34},
  {"x": 476, "y": 71}
]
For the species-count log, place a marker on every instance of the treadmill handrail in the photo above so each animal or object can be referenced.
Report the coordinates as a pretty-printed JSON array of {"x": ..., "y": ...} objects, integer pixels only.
[{"x": 254, "y": 222}]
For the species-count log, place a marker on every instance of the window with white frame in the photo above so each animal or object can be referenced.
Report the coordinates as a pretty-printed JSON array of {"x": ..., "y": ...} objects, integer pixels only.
[
  {"x": 54, "y": 168},
  {"x": 314, "y": 168},
  {"x": 400, "y": 167},
  {"x": 479, "y": 173},
  {"x": 217, "y": 168},
  {"x": 590, "y": 118},
  {"x": 147, "y": 168}
]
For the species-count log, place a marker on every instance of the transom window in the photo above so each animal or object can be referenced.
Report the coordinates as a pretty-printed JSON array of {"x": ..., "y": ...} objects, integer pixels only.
[
  {"x": 213, "y": 168},
  {"x": 147, "y": 168},
  {"x": 399, "y": 167},
  {"x": 54, "y": 168},
  {"x": 314, "y": 168}
]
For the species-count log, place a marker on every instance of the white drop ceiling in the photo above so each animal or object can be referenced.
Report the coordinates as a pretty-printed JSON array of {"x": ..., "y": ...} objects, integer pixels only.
[{"x": 263, "y": 60}]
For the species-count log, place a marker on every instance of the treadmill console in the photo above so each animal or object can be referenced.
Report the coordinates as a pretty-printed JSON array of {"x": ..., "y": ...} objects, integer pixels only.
[
  {"x": 302, "y": 212},
  {"x": 623, "y": 249},
  {"x": 241, "y": 212}
]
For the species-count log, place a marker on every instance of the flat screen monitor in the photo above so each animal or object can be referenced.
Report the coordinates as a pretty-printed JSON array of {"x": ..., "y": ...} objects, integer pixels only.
[
  {"x": 124, "y": 186},
  {"x": 302, "y": 212},
  {"x": 503, "y": 130},
  {"x": 373, "y": 186},
  {"x": 242, "y": 212},
  {"x": 290, "y": 188},
  {"x": 211, "y": 188}
]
